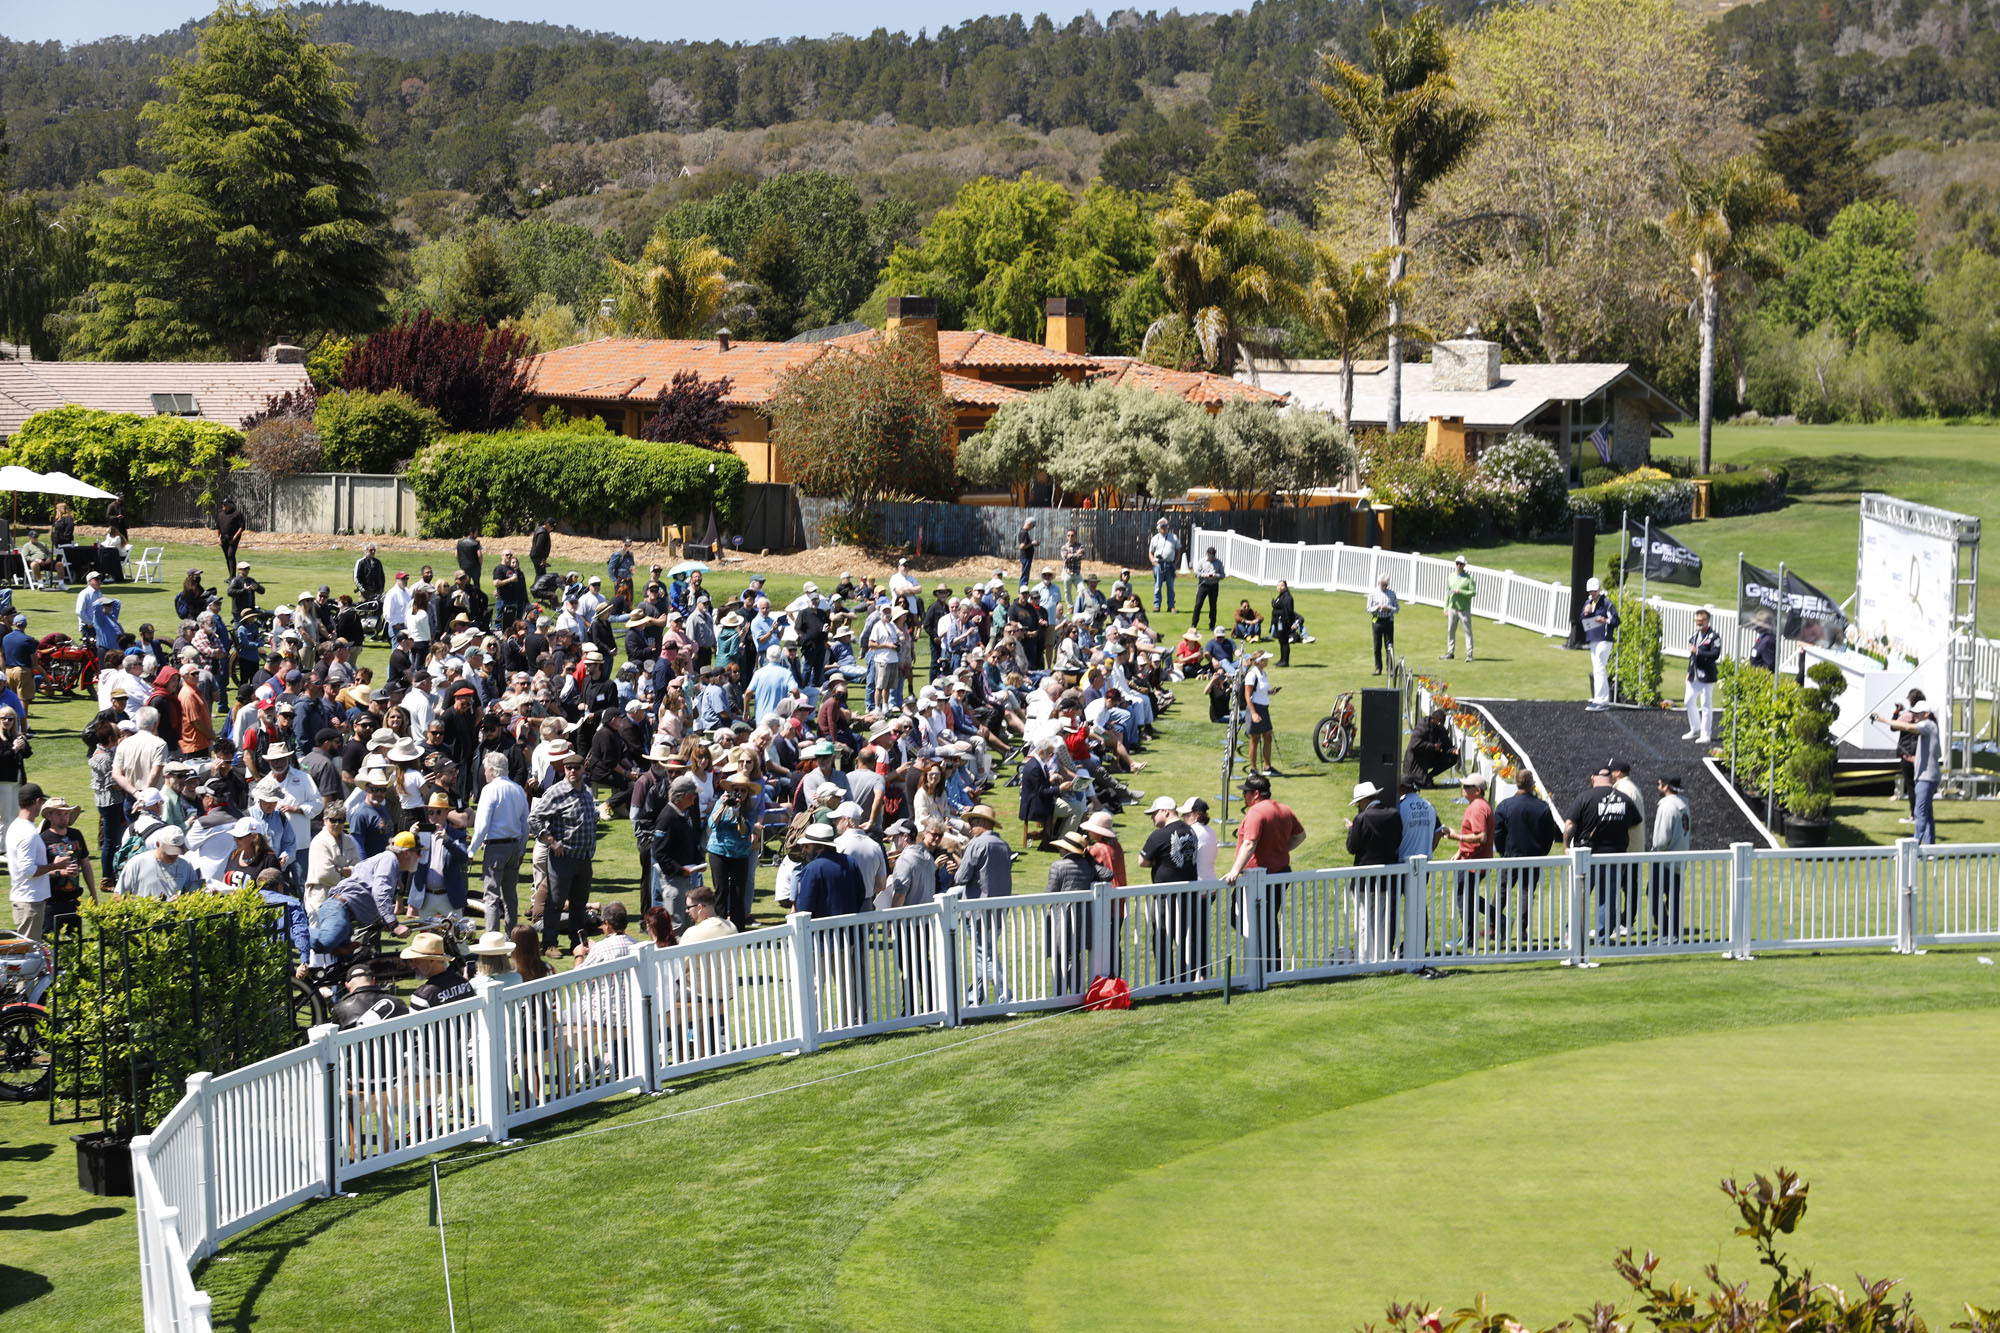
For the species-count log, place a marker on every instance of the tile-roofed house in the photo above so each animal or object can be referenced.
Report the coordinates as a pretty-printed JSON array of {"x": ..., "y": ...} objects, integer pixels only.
[
  {"x": 221, "y": 391},
  {"x": 1467, "y": 387},
  {"x": 1200, "y": 387}
]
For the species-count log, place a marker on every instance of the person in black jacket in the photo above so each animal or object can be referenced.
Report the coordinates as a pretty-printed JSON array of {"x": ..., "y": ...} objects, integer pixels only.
[
  {"x": 1523, "y": 825},
  {"x": 470, "y": 558},
  {"x": 538, "y": 547},
  {"x": 1600, "y": 820},
  {"x": 369, "y": 578},
  {"x": 1284, "y": 622},
  {"x": 229, "y": 527},
  {"x": 1038, "y": 790},
  {"x": 678, "y": 854},
  {"x": 1374, "y": 836}
]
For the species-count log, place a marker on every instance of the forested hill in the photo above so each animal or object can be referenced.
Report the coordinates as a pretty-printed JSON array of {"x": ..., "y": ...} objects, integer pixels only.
[
  {"x": 457, "y": 101},
  {"x": 451, "y": 98}
]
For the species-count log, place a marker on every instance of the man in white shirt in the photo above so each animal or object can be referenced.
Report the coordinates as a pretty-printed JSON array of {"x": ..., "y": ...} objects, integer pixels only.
[
  {"x": 302, "y": 801},
  {"x": 707, "y": 925},
  {"x": 140, "y": 760},
  {"x": 1383, "y": 604},
  {"x": 590, "y": 603},
  {"x": 866, "y": 853},
  {"x": 1165, "y": 553},
  {"x": 396, "y": 603},
  {"x": 501, "y": 827},
  {"x": 28, "y": 865},
  {"x": 903, "y": 585}
]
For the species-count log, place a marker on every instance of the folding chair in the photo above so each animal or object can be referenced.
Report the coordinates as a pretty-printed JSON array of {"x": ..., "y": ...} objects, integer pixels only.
[{"x": 148, "y": 568}]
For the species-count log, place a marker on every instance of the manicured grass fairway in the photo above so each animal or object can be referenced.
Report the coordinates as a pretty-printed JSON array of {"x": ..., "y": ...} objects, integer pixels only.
[
  {"x": 1521, "y": 1181},
  {"x": 1033, "y": 1179}
]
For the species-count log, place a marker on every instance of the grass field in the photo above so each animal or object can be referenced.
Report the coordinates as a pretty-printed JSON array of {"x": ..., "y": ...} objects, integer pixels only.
[
  {"x": 1951, "y": 465},
  {"x": 954, "y": 1191}
]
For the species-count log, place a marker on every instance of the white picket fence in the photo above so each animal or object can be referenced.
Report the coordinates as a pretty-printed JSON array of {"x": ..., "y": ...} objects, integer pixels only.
[{"x": 242, "y": 1147}]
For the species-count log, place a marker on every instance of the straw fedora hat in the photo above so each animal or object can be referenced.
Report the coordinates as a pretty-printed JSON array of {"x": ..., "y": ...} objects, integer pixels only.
[{"x": 427, "y": 944}]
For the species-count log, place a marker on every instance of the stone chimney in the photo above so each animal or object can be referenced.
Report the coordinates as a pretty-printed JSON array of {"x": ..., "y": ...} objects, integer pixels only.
[
  {"x": 1066, "y": 324},
  {"x": 285, "y": 354},
  {"x": 914, "y": 316},
  {"x": 1465, "y": 365},
  {"x": 722, "y": 340}
]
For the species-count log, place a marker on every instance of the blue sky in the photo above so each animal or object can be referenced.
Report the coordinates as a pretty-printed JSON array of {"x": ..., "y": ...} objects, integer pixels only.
[{"x": 745, "y": 20}]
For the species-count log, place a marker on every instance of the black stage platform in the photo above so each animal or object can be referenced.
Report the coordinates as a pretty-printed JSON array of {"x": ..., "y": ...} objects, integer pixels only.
[{"x": 1565, "y": 745}]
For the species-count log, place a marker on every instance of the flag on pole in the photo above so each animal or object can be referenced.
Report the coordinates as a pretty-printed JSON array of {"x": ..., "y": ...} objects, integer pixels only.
[
  {"x": 1665, "y": 558},
  {"x": 1601, "y": 438},
  {"x": 1810, "y": 615}
]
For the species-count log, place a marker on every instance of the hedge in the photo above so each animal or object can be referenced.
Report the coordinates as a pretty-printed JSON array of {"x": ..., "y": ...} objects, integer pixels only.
[
  {"x": 1646, "y": 493},
  {"x": 128, "y": 455},
  {"x": 1751, "y": 491},
  {"x": 585, "y": 480},
  {"x": 164, "y": 988},
  {"x": 361, "y": 431}
]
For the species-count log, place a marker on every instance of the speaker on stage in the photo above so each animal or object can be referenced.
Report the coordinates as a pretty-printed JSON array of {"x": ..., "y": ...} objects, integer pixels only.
[
  {"x": 1582, "y": 558},
  {"x": 1381, "y": 740}
]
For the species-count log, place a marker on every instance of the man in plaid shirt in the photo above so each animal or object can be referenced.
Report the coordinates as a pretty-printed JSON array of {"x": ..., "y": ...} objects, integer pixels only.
[{"x": 564, "y": 819}]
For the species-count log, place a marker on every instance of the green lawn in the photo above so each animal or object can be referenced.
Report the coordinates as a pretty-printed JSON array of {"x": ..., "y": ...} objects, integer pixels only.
[
  {"x": 1953, "y": 466},
  {"x": 1409, "y": 1136}
]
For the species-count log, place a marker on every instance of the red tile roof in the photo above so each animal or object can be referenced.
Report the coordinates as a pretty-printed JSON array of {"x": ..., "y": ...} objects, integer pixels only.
[
  {"x": 976, "y": 349},
  {"x": 1197, "y": 386},
  {"x": 979, "y": 393},
  {"x": 636, "y": 369}
]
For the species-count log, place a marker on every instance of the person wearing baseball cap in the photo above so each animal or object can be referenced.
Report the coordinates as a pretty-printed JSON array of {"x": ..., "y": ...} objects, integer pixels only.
[
  {"x": 162, "y": 870},
  {"x": 243, "y": 591},
  {"x": 1599, "y": 619},
  {"x": 1673, "y": 831},
  {"x": 1926, "y": 762},
  {"x": 21, "y": 653},
  {"x": 1601, "y": 819}
]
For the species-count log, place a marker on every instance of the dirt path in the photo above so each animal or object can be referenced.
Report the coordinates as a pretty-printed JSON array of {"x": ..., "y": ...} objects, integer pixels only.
[{"x": 585, "y": 553}]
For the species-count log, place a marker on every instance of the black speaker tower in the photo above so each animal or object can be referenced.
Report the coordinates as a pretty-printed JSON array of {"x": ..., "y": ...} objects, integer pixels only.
[
  {"x": 1582, "y": 558},
  {"x": 1381, "y": 739}
]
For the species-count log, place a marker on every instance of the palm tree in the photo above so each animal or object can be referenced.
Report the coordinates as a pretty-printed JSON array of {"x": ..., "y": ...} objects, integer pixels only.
[
  {"x": 1352, "y": 306},
  {"x": 1411, "y": 127},
  {"x": 1723, "y": 228},
  {"x": 675, "y": 290},
  {"x": 1222, "y": 265}
]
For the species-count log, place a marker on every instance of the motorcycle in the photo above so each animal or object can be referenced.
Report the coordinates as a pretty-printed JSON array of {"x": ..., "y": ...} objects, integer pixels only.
[
  {"x": 27, "y": 970},
  {"x": 1333, "y": 738}
]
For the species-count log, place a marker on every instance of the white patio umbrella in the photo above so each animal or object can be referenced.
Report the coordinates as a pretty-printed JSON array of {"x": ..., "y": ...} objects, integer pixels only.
[
  {"x": 14, "y": 477},
  {"x": 62, "y": 483}
]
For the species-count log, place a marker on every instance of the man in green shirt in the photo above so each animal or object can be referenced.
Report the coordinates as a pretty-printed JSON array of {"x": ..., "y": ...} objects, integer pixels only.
[{"x": 1459, "y": 590}]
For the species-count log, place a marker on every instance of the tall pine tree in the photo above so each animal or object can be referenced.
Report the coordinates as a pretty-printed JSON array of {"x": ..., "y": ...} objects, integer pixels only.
[{"x": 262, "y": 223}]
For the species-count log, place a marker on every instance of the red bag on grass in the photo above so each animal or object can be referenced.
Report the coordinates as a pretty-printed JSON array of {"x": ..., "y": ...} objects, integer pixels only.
[{"x": 1108, "y": 993}]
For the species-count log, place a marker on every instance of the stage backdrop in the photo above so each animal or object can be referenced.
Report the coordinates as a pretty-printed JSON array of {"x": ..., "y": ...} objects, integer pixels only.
[{"x": 1909, "y": 559}]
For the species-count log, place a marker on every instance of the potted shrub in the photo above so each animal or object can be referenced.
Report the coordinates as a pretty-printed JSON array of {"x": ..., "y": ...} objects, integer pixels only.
[{"x": 1806, "y": 786}]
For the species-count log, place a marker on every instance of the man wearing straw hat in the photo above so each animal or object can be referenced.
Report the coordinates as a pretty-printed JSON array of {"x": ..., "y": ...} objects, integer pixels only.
[{"x": 442, "y": 981}]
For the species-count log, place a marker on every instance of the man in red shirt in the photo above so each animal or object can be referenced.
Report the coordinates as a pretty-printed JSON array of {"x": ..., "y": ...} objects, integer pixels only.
[
  {"x": 1266, "y": 837},
  {"x": 1475, "y": 843}
]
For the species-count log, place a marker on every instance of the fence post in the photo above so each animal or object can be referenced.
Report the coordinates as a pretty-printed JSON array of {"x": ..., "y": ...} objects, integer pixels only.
[
  {"x": 1742, "y": 891},
  {"x": 1103, "y": 957},
  {"x": 946, "y": 970},
  {"x": 495, "y": 1087},
  {"x": 321, "y": 1040},
  {"x": 1506, "y": 595},
  {"x": 1333, "y": 573},
  {"x": 1908, "y": 859},
  {"x": 1416, "y": 922},
  {"x": 805, "y": 1005},
  {"x": 1375, "y": 565},
  {"x": 197, "y": 1087},
  {"x": 1579, "y": 907},
  {"x": 1255, "y": 904},
  {"x": 643, "y": 1016}
]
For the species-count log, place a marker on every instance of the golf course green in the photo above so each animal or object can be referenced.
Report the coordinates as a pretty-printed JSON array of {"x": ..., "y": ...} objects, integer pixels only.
[{"x": 1521, "y": 1181}]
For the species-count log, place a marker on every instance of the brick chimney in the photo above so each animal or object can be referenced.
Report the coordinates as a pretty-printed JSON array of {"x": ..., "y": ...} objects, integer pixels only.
[
  {"x": 1066, "y": 324},
  {"x": 915, "y": 316},
  {"x": 1466, "y": 364}
]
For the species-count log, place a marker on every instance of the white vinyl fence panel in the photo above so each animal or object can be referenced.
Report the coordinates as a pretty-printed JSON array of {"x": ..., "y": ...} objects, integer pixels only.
[{"x": 244, "y": 1147}]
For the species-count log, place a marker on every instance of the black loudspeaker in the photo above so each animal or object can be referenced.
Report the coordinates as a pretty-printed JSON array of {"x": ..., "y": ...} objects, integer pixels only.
[
  {"x": 1582, "y": 559},
  {"x": 1381, "y": 738}
]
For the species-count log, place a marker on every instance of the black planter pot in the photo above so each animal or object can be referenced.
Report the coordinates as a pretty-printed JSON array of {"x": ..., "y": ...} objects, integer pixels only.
[
  {"x": 104, "y": 1164},
  {"x": 1806, "y": 832}
]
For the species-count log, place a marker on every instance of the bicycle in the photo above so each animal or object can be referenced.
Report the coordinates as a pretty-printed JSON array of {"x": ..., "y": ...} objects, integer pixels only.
[
  {"x": 1333, "y": 738},
  {"x": 27, "y": 971}
]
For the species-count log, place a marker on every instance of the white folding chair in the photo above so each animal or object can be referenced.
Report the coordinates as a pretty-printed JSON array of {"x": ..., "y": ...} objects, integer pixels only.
[{"x": 148, "y": 568}]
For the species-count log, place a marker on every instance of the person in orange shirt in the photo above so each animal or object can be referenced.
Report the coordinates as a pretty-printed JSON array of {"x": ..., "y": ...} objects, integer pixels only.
[
  {"x": 1266, "y": 837},
  {"x": 1475, "y": 843}
]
